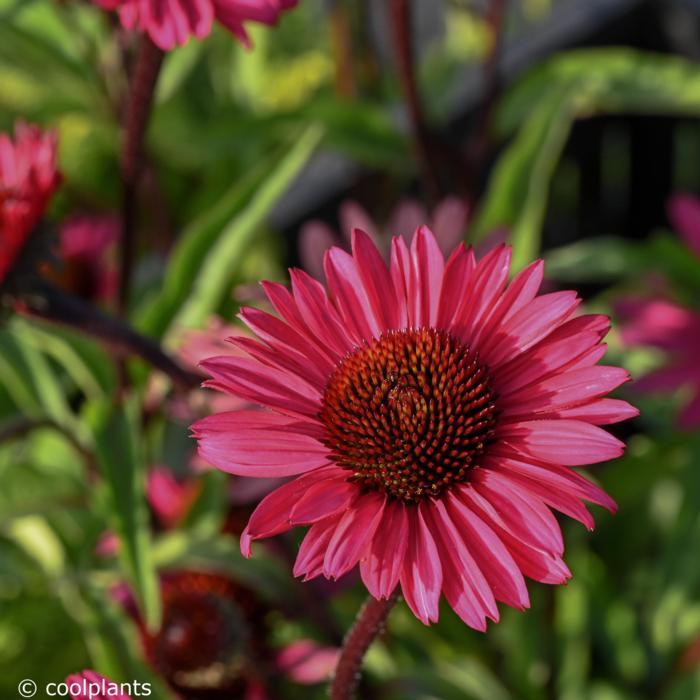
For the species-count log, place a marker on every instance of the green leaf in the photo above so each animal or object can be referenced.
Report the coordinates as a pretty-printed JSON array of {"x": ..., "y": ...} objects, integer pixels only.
[
  {"x": 30, "y": 379},
  {"x": 46, "y": 66},
  {"x": 235, "y": 218},
  {"x": 517, "y": 193},
  {"x": 600, "y": 260},
  {"x": 222, "y": 260},
  {"x": 120, "y": 460},
  {"x": 84, "y": 362},
  {"x": 574, "y": 85}
]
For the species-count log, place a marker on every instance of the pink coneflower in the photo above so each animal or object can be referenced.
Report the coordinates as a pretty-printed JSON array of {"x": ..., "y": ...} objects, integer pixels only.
[
  {"x": 90, "y": 685},
  {"x": 28, "y": 178},
  {"x": 448, "y": 222},
  {"x": 432, "y": 413},
  {"x": 668, "y": 326},
  {"x": 171, "y": 499},
  {"x": 86, "y": 246},
  {"x": 214, "y": 641},
  {"x": 170, "y": 23},
  {"x": 684, "y": 213},
  {"x": 676, "y": 331}
]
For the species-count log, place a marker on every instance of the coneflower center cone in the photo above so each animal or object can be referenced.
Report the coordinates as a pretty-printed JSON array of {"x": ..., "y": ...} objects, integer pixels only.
[{"x": 409, "y": 413}]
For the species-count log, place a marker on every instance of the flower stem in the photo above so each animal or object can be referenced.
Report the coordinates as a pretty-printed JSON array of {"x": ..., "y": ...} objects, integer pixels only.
[
  {"x": 495, "y": 19},
  {"x": 403, "y": 48},
  {"x": 140, "y": 100},
  {"x": 52, "y": 304},
  {"x": 367, "y": 627}
]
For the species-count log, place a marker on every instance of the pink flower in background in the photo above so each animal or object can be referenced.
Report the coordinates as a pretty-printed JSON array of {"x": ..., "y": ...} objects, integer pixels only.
[
  {"x": 170, "y": 23},
  {"x": 107, "y": 545},
  {"x": 431, "y": 413},
  {"x": 307, "y": 662},
  {"x": 684, "y": 213},
  {"x": 669, "y": 327},
  {"x": 86, "y": 246},
  {"x": 28, "y": 178},
  {"x": 215, "y": 640},
  {"x": 171, "y": 499},
  {"x": 448, "y": 223},
  {"x": 90, "y": 685}
]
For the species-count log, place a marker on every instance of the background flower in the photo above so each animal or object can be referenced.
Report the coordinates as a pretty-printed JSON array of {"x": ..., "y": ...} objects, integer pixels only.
[
  {"x": 172, "y": 23},
  {"x": 448, "y": 223},
  {"x": 28, "y": 177},
  {"x": 86, "y": 250}
]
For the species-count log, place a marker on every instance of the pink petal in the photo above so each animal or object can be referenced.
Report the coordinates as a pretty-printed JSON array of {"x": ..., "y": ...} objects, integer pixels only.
[
  {"x": 545, "y": 359},
  {"x": 520, "y": 292},
  {"x": 377, "y": 282},
  {"x": 529, "y": 325},
  {"x": 251, "y": 380},
  {"x": 289, "y": 361},
  {"x": 563, "y": 390},
  {"x": 599, "y": 412},
  {"x": 569, "y": 442},
  {"x": 487, "y": 282},
  {"x": 284, "y": 338},
  {"x": 353, "y": 534},
  {"x": 464, "y": 586},
  {"x": 455, "y": 282},
  {"x": 526, "y": 517},
  {"x": 381, "y": 568},
  {"x": 272, "y": 514},
  {"x": 312, "y": 551},
  {"x": 562, "y": 501},
  {"x": 428, "y": 267},
  {"x": 258, "y": 443},
  {"x": 535, "y": 563},
  {"x": 285, "y": 305},
  {"x": 551, "y": 476},
  {"x": 491, "y": 555},
  {"x": 319, "y": 315},
  {"x": 401, "y": 273},
  {"x": 349, "y": 296},
  {"x": 322, "y": 500},
  {"x": 421, "y": 575}
]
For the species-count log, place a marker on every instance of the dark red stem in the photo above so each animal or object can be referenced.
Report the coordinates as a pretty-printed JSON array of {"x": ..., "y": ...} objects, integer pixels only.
[
  {"x": 495, "y": 19},
  {"x": 368, "y": 625},
  {"x": 403, "y": 49},
  {"x": 140, "y": 101},
  {"x": 50, "y": 303}
]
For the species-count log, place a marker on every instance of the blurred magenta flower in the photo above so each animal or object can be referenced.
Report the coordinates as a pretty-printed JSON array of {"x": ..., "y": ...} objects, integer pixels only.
[
  {"x": 171, "y": 499},
  {"x": 214, "y": 641},
  {"x": 431, "y": 412},
  {"x": 170, "y": 23},
  {"x": 448, "y": 223},
  {"x": 90, "y": 685},
  {"x": 669, "y": 327},
  {"x": 684, "y": 213},
  {"x": 86, "y": 250},
  {"x": 307, "y": 662},
  {"x": 107, "y": 545},
  {"x": 28, "y": 178}
]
